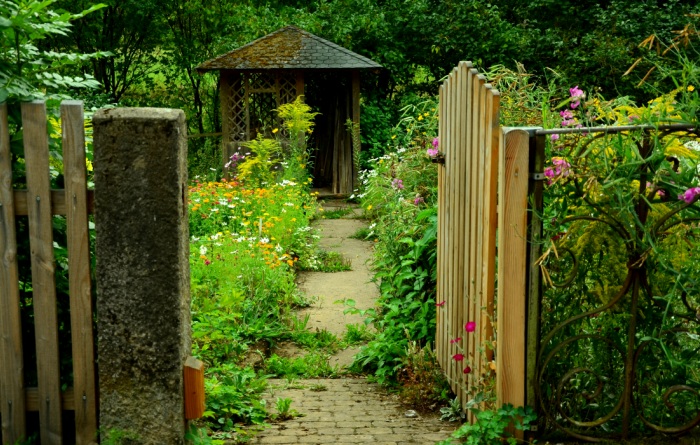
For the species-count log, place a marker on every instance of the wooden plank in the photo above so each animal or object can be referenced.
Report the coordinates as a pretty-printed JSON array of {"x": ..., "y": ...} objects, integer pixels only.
[
  {"x": 512, "y": 242},
  {"x": 31, "y": 399},
  {"x": 58, "y": 202},
  {"x": 440, "y": 293},
  {"x": 194, "y": 388},
  {"x": 482, "y": 231},
  {"x": 299, "y": 83},
  {"x": 490, "y": 222},
  {"x": 452, "y": 230},
  {"x": 43, "y": 270},
  {"x": 461, "y": 230},
  {"x": 80, "y": 285},
  {"x": 226, "y": 110},
  {"x": 12, "y": 406}
]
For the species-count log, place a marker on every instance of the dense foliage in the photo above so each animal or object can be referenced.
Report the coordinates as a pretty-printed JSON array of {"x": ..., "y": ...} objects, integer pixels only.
[{"x": 155, "y": 46}]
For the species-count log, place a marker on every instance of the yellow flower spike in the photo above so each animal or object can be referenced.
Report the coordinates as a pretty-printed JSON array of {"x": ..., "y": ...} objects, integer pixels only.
[{"x": 691, "y": 88}]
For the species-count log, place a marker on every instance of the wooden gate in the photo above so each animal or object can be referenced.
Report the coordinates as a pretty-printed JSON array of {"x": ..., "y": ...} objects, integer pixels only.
[
  {"x": 40, "y": 203},
  {"x": 483, "y": 186}
]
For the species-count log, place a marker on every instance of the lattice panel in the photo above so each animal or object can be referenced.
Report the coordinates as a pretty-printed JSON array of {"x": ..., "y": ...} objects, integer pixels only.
[
  {"x": 262, "y": 116},
  {"x": 261, "y": 82},
  {"x": 236, "y": 109},
  {"x": 287, "y": 88}
]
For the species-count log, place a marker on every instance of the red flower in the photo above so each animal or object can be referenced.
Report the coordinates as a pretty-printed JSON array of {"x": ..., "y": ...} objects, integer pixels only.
[
  {"x": 440, "y": 304},
  {"x": 455, "y": 340},
  {"x": 467, "y": 370},
  {"x": 458, "y": 357},
  {"x": 470, "y": 326}
]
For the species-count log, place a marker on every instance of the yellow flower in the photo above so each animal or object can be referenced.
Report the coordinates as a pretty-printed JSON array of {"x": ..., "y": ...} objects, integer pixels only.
[
  {"x": 275, "y": 130},
  {"x": 369, "y": 207},
  {"x": 691, "y": 88},
  {"x": 393, "y": 137},
  {"x": 420, "y": 117}
]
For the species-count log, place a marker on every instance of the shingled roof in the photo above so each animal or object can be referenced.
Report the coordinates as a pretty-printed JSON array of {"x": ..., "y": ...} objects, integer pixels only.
[{"x": 289, "y": 48}]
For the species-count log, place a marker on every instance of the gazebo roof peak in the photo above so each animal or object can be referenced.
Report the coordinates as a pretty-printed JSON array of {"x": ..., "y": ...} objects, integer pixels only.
[{"x": 289, "y": 48}]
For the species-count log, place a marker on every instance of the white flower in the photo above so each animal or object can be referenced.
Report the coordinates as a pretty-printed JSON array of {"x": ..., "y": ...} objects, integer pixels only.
[
  {"x": 202, "y": 250},
  {"x": 264, "y": 240}
]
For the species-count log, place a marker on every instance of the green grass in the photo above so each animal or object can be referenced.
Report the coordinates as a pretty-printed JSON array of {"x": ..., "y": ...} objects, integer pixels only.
[
  {"x": 325, "y": 261},
  {"x": 335, "y": 214}
]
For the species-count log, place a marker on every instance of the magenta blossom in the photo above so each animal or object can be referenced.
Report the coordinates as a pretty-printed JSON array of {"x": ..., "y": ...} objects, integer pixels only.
[
  {"x": 440, "y": 304},
  {"x": 418, "y": 200},
  {"x": 397, "y": 184},
  {"x": 575, "y": 104},
  {"x": 458, "y": 357},
  {"x": 576, "y": 92},
  {"x": 467, "y": 370},
  {"x": 456, "y": 340},
  {"x": 559, "y": 168},
  {"x": 436, "y": 143},
  {"x": 470, "y": 326},
  {"x": 432, "y": 152},
  {"x": 554, "y": 137},
  {"x": 567, "y": 122},
  {"x": 689, "y": 195},
  {"x": 566, "y": 114}
]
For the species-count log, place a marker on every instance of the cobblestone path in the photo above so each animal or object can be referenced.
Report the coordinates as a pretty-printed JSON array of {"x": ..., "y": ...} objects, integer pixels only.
[{"x": 345, "y": 410}]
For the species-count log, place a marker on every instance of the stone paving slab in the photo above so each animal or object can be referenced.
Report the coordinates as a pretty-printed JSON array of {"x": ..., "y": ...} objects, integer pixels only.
[{"x": 347, "y": 411}]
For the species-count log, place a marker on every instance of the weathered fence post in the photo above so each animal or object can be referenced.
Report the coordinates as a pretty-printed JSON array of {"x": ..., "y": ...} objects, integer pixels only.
[{"x": 142, "y": 254}]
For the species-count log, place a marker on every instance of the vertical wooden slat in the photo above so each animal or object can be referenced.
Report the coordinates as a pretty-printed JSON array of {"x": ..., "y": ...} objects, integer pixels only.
[
  {"x": 12, "y": 404},
  {"x": 480, "y": 316},
  {"x": 512, "y": 242},
  {"x": 490, "y": 221},
  {"x": 299, "y": 83},
  {"x": 452, "y": 212},
  {"x": 80, "y": 286},
  {"x": 226, "y": 110},
  {"x": 461, "y": 122},
  {"x": 43, "y": 268},
  {"x": 440, "y": 296}
]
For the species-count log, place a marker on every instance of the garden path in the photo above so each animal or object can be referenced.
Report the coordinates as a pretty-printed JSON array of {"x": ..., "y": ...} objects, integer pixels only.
[{"x": 347, "y": 410}]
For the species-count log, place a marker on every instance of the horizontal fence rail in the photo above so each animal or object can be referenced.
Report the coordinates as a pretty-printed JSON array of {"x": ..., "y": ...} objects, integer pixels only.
[{"x": 40, "y": 203}]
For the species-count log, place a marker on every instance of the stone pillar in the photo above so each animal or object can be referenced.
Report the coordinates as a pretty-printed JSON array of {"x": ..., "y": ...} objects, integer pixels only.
[{"x": 142, "y": 274}]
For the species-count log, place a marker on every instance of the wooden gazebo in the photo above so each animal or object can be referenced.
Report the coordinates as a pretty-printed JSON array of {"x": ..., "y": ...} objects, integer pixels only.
[{"x": 274, "y": 70}]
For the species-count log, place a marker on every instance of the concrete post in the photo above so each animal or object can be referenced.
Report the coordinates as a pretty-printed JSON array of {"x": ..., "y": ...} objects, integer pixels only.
[{"x": 142, "y": 250}]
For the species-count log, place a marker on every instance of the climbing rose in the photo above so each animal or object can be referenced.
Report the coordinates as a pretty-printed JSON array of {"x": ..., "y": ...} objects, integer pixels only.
[
  {"x": 458, "y": 357},
  {"x": 440, "y": 304},
  {"x": 470, "y": 326},
  {"x": 689, "y": 195},
  {"x": 467, "y": 370},
  {"x": 456, "y": 340}
]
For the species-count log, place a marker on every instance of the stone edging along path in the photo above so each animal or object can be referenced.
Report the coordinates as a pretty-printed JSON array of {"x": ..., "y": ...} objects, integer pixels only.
[{"x": 345, "y": 410}]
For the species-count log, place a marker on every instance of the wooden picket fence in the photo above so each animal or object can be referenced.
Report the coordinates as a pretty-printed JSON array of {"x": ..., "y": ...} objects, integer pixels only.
[
  {"x": 39, "y": 203},
  {"x": 483, "y": 186}
]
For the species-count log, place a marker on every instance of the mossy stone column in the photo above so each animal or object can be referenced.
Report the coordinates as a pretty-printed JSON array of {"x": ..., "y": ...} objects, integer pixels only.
[{"x": 142, "y": 250}]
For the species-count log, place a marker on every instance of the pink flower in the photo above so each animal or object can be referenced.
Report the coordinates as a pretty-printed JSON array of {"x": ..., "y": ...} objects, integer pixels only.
[
  {"x": 418, "y": 200},
  {"x": 207, "y": 262},
  {"x": 467, "y": 370},
  {"x": 574, "y": 105},
  {"x": 554, "y": 137},
  {"x": 561, "y": 168},
  {"x": 432, "y": 152},
  {"x": 566, "y": 114},
  {"x": 567, "y": 122},
  {"x": 436, "y": 143},
  {"x": 576, "y": 92},
  {"x": 458, "y": 357},
  {"x": 470, "y": 326},
  {"x": 397, "y": 184},
  {"x": 456, "y": 340},
  {"x": 440, "y": 304},
  {"x": 689, "y": 195}
]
